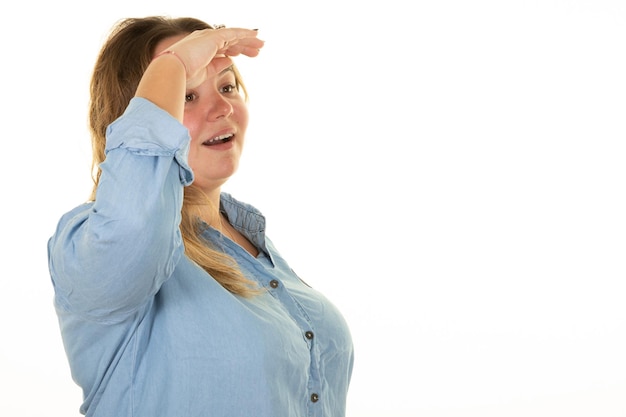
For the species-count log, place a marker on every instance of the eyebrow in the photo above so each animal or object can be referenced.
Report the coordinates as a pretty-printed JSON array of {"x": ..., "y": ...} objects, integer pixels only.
[{"x": 225, "y": 70}]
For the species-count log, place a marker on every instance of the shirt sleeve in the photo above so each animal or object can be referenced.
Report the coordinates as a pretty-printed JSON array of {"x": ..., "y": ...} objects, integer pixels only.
[{"x": 109, "y": 257}]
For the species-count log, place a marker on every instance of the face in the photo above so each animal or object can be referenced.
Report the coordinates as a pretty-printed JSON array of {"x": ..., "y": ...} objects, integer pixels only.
[{"x": 216, "y": 116}]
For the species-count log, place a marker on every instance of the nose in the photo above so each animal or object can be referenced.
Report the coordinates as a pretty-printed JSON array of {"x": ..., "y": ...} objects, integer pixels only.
[{"x": 218, "y": 107}]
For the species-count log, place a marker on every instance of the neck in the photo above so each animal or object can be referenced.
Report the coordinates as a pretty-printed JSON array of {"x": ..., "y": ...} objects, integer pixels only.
[
  {"x": 209, "y": 211},
  {"x": 206, "y": 205}
]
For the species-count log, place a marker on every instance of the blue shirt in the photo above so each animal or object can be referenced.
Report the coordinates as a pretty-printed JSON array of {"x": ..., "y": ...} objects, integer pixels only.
[{"x": 148, "y": 333}]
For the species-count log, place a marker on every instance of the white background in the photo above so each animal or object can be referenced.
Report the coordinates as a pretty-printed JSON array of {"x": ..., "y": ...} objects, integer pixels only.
[{"x": 450, "y": 173}]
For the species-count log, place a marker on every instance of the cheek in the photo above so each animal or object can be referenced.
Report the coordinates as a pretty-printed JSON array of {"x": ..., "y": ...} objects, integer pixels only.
[
  {"x": 240, "y": 113},
  {"x": 192, "y": 123}
]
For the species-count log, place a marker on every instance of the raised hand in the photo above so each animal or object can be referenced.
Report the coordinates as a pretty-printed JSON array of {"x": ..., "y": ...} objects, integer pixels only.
[
  {"x": 165, "y": 80},
  {"x": 199, "y": 48}
]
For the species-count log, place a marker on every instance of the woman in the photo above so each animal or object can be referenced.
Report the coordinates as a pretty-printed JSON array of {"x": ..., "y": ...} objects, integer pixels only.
[{"x": 171, "y": 299}]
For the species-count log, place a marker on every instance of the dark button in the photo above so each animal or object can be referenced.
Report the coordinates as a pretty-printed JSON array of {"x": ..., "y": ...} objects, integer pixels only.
[
  {"x": 314, "y": 397},
  {"x": 274, "y": 283},
  {"x": 309, "y": 335}
]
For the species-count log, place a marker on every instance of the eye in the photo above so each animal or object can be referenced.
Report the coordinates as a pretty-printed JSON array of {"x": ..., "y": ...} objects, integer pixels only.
[
  {"x": 229, "y": 88},
  {"x": 190, "y": 97}
]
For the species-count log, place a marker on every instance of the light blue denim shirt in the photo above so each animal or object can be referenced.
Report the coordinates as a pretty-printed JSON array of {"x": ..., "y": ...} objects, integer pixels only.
[{"x": 148, "y": 333}]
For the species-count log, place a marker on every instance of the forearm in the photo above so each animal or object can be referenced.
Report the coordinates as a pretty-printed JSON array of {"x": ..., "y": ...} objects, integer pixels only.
[{"x": 164, "y": 83}]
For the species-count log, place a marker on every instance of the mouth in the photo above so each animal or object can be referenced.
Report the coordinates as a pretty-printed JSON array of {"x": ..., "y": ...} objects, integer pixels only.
[{"x": 219, "y": 139}]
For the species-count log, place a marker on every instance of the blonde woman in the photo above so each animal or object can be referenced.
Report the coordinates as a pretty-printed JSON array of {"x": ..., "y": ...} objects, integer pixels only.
[{"x": 171, "y": 299}]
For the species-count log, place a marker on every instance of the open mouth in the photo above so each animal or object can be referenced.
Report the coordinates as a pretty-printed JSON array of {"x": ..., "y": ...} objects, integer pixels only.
[{"x": 219, "y": 139}]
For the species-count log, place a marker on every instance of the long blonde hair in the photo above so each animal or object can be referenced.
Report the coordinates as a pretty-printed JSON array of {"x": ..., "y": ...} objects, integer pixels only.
[{"x": 118, "y": 69}]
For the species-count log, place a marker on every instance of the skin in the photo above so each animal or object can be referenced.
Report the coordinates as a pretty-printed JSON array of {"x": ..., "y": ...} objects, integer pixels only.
[{"x": 196, "y": 85}]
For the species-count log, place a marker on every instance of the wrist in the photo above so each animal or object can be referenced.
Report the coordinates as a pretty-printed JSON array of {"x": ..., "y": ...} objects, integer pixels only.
[{"x": 172, "y": 54}]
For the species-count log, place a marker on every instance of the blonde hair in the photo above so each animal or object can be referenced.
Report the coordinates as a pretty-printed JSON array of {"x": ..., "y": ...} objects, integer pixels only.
[{"x": 118, "y": 69}]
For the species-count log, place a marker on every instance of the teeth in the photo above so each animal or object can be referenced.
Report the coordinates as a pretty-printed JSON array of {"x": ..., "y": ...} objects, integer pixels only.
[{"x": 219, "y": 138}]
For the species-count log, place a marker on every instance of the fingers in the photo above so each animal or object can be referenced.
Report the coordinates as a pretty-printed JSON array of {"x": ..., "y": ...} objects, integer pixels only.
[
  {"x": 243, "y": 50},
  {"x": 246, "y": 46},
  {"x": 238, "y": 41}
]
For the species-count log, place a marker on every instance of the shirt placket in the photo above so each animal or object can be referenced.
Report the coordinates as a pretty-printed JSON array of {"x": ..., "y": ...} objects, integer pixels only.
[{"x": 299, "y": 315}]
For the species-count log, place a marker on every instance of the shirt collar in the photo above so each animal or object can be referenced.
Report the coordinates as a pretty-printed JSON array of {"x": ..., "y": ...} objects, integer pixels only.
[{"x": 245, "y": 218}]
